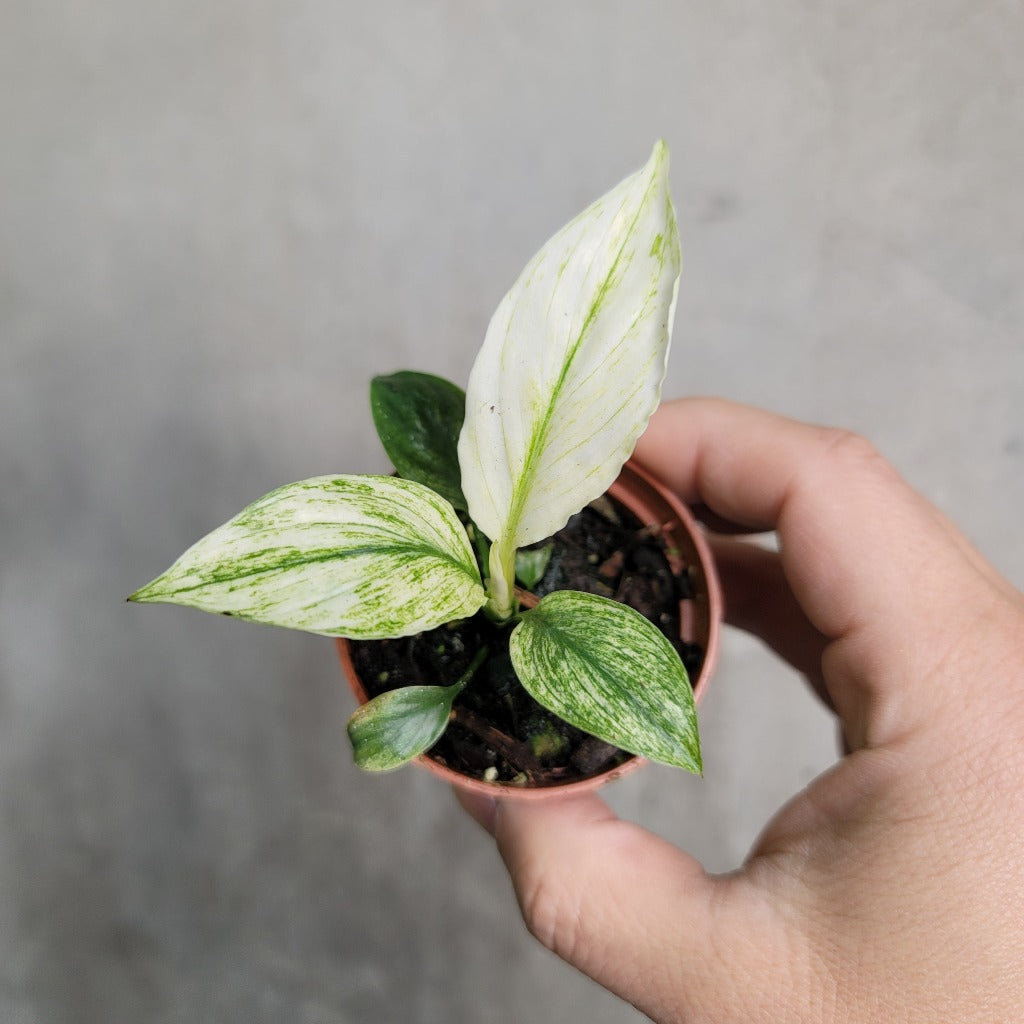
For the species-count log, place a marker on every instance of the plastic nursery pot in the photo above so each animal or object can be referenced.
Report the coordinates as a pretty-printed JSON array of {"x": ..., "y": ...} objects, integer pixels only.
[{"x": 699, "y": 621}]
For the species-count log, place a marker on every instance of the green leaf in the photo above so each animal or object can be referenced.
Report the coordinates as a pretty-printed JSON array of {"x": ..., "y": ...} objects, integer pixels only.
[
  {"x": 571, "y": 369},
  {"x": 532, "y": 563},
  {"x": 356, "y": 556},
  {"x": 399, "y": 725},
  {"x": 606, "y": 669},
  {"x": 418, "y": 418}
]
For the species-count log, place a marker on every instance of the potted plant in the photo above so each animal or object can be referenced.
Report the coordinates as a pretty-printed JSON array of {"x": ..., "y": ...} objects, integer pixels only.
[{"x": 445, "y": 580}]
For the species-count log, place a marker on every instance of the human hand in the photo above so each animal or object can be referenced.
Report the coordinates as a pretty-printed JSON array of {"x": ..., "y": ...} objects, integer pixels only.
[{"x": 892, "y": 888}]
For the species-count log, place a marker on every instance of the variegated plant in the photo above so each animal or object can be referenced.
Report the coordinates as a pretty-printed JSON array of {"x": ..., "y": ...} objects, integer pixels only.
[{"x": 567, "y": 378}]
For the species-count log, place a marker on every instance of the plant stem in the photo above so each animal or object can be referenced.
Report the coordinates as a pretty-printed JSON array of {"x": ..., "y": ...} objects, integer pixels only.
[
  {"x": 501, "y": 566},
  {"x": 478, "y": 659},
  {"x": 480, "y": 543},
  {"x": 518, "y": 754}
]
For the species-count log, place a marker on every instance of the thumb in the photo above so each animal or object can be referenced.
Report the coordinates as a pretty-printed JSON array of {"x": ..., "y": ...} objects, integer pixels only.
[{"x": 636, "y": 914}]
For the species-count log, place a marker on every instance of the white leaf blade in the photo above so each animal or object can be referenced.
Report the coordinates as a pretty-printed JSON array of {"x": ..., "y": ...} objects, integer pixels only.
[
  {"x": 572, "y": 364},
  {"x": 357, "y": 556},
  {"x": 604, "y": 668}
]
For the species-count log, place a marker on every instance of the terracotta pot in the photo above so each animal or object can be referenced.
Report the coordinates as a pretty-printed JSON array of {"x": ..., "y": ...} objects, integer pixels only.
[{"x": 699, "y": 618}]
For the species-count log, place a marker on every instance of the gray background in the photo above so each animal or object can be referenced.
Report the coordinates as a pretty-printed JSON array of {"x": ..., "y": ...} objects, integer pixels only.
[{"x": 218, "y": 219}]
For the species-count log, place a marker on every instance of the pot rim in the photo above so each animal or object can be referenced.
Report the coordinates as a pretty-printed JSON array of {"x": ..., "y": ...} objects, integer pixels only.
[{"x": 638, "y": 490}]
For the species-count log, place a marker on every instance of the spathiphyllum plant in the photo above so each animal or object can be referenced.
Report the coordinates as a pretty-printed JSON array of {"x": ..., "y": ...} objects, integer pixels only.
[{"x": 569, "y": 373}]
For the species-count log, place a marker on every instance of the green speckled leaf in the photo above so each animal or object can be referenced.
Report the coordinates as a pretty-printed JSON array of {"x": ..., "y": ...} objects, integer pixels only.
[
  {"x": 571, "y": 368},
  {"x": 418, "y": 418},
  {"x": 604, "y": 668},
  {"x": 357, "y": 556},
  {"x": 399, "y": 725}
]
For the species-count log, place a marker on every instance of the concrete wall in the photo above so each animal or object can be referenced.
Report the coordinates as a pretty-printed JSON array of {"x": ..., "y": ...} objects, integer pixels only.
[{"x": 218, "y": 219}]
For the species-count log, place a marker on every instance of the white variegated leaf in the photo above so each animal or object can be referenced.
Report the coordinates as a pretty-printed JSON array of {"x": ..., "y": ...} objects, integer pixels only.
[
  {"x": 356, "y": 556},
  {"x": 606, "y": 669},
  {"x": 572, "y": 365}
]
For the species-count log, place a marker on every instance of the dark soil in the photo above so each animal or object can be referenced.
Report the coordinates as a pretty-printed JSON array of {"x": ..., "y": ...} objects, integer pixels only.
[{"x": 498, "y": 731}]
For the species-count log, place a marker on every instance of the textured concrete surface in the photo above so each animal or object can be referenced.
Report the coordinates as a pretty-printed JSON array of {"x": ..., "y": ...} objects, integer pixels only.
[{"x": 217, "y": 221}]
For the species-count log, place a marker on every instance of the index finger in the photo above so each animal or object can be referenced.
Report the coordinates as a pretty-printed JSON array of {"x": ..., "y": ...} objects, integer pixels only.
[
  {"x": 740, "y": 461},
  {"x": 869, "y": 561}
]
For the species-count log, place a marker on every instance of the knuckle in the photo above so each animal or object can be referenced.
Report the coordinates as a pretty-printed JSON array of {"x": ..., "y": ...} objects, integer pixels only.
[
  {"x": 843, "y": 460},
  {"x": 551, "y": 916},
  {"x": 852, "y": 448}
]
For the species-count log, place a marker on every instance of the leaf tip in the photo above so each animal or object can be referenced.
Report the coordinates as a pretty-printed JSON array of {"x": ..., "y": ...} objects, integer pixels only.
[
  {"x": 156, "y": 591},
  {"x": 144, "y": 595},
  {"x": 659, "y": 159},
  {"x": 692, "y": 761}
]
